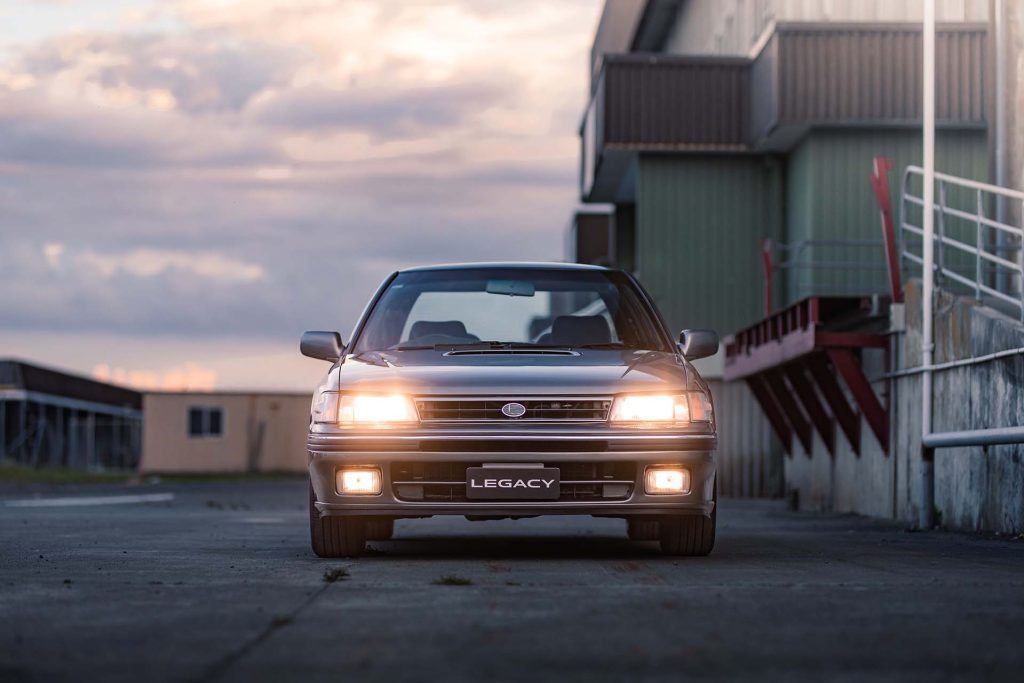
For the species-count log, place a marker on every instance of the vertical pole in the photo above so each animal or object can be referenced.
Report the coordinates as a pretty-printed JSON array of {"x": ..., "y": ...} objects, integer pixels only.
[
  {"x": 90, "y": 440},
  {"x": 926, "y": 516},
  {"x": 1002, "y": 282},
  {"x": 941, "y": 219},
  {"x": 3, "y": 430},
  {"x": 1020, "y": 261},
  {"x": 979, "y": 245}
]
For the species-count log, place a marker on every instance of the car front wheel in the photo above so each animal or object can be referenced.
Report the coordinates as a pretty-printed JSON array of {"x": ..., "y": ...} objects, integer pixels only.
[
  {"x": 335, "y": 536},
  {"x": 690, "y": 535}
]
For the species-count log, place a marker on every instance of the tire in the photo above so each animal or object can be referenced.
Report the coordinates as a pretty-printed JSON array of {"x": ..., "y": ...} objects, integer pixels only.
[
  {"x": 643, "y": 528},
  {"x": 335, "y": 536},
  {"x": 380, "y": 529},
  {"x": 690, "y": 535}
]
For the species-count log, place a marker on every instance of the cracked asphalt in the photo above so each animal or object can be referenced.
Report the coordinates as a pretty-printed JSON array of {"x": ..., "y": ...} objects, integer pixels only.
[{"x": 216, "y": 583}]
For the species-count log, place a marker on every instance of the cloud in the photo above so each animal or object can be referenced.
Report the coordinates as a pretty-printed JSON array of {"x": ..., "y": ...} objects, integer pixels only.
[
  {"x": 189, "y": 376},
  {"x": 148, "y": 263},
  {"x": 214, "y": 169},
  {"x": 385, "y": 112}
]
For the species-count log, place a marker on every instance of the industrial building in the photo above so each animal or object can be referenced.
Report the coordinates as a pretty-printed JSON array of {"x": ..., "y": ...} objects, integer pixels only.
[
  {"x": 729, "y": 149},
  {"x": 195, "y": 432},
  {"x": 51, "y": 418},
  {"x": 54, "y": 418}
]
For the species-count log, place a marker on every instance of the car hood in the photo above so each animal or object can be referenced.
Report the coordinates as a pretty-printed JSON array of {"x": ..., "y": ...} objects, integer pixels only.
[{"x": 589, "y": 372}]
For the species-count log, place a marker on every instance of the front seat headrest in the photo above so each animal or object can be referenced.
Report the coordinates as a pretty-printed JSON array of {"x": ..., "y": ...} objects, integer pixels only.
[{"x": 576, "y": 330}]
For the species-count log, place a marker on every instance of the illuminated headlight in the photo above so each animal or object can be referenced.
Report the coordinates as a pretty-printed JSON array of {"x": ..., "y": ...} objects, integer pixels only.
[
  {"x": 662, "y": 480},
  {"x": 365, "y": 410},
  {"x": 359, "y": 482},
  {"x": 647, "y": 410}
]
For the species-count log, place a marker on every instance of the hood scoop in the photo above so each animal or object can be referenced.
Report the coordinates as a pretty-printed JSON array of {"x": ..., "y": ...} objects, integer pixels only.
[{"x": 512, "y": 352}]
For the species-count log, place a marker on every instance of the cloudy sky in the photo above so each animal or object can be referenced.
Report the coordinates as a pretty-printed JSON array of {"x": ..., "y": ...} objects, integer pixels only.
[{"x": 187, "y": 185}]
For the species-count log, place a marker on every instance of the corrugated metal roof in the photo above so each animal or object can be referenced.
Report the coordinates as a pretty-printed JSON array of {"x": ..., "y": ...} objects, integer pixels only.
[{"x": 20, "y": 375}]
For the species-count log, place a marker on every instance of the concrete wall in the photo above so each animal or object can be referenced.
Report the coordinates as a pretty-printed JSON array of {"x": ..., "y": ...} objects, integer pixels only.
[
  {"x": 261, "y": 432},
  {"x": 975, "y": 488}
]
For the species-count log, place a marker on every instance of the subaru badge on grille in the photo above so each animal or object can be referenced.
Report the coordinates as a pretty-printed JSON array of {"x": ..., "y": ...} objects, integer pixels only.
[{"x": 513, "y": 410}]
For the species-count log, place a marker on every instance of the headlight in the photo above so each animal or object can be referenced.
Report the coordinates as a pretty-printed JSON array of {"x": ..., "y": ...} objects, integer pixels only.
[
  {"x": 650, "y": 411},
  {"x": 365, "y": 410}
]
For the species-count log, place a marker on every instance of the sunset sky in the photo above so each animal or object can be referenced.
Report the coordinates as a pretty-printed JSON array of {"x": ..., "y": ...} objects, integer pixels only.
[{"x": 187, "y": 185}]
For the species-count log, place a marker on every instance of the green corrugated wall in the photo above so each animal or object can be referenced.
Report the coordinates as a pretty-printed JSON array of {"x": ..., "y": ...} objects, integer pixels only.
[
  {"x": 828, "y": 196},
  {"x": 699, "y": 219},
  {"x": 698, "y": 223}
]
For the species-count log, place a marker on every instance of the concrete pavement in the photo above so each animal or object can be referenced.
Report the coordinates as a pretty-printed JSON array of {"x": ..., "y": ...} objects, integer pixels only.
[{"x": 215, "y": 582}]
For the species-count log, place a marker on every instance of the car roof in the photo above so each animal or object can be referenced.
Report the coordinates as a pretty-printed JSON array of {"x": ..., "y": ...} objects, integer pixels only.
[{"x": 545, "y": 265}]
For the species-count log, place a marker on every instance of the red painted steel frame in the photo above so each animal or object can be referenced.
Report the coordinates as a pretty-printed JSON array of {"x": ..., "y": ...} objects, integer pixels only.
[
  {"x": 804, "y": 388},
  {"x": 778, "y": 421},
  {"x": 847, "y": 365},
  {"x": 880, "y": 184},
  {"x": 790, "y": 364},
  {"x": 769, "y": 275}
]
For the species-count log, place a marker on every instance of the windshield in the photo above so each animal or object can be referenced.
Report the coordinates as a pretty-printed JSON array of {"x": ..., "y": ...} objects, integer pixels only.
[{"x": 510, "y": 306}]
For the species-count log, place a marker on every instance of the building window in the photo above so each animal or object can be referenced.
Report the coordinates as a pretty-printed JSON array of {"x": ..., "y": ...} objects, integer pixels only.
[{"x": 205, "y": 421}]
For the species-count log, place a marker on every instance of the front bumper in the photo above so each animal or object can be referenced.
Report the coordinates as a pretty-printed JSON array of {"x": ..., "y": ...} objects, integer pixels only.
[{"x": 329, "y": 452}]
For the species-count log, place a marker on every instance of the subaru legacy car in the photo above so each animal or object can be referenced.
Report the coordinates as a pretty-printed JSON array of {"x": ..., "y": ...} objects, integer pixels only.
[{"x": 508, "y": 391}]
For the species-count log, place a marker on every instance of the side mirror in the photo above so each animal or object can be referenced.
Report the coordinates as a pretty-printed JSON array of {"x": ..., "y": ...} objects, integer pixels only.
[
  {"x": 698, "y": 343},
  {"x": 321, "y": 345}
]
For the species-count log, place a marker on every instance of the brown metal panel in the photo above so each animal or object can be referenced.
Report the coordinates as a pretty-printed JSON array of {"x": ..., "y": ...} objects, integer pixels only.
[
  {"x": 669, "y": 102},
  {"x": 850, "y": 73}
]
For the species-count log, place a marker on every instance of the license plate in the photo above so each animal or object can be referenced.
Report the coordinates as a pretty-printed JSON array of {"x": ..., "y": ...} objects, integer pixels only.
[{"x": 512, "y": 483}]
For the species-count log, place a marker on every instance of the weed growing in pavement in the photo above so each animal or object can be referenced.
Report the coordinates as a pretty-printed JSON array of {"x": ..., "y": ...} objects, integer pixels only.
[{"x": 336, "y": 574}]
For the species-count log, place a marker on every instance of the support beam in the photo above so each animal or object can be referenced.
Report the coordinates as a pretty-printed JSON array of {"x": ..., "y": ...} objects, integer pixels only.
[
  {"x": 829, "y": 387},
  {"x": 815, "y": 409},
  {"x": 776, "y": 384},
  {"x": 872, "y": 409},
  {"x": 772, "y": 411}
]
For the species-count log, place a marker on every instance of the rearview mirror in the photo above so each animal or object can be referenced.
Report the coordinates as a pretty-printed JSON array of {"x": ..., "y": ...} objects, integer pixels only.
[
  {"x": 698, "y": 343},
  {"x": 511, "y": 287},
  {"x": 321, "y": 345}
]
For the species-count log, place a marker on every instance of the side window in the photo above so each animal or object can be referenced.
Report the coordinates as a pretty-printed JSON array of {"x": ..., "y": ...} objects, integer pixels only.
[{"x": 204, "y": 421}]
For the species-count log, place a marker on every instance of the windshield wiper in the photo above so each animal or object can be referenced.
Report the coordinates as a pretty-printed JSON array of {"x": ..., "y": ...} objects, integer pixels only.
[{"x": 411, "y": 347}]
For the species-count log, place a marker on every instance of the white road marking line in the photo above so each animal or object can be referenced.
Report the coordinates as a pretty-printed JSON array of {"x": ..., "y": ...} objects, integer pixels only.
[
  {"x": 262, "y": 520},
  {"x": 93, "y": 500}
]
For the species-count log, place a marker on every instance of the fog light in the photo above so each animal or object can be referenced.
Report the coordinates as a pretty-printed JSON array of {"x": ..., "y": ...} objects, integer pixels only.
[
  {"x": 661, "y": 480},
  {"x": 363, "y": 482}
]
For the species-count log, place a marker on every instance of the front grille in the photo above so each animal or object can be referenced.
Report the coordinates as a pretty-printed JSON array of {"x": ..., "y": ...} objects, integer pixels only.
[
  {"x": 511, "y": 446},
  {"x": 489, "y": 409},
  {"x": 445, "y": 482}
]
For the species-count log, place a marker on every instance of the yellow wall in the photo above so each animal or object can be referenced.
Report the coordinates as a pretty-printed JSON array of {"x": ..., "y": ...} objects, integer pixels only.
[{"x": 167, "y": 446}]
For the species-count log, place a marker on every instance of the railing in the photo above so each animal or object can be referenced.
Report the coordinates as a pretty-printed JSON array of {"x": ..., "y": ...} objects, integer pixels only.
[
  {"x": 973, "y": 249},
  {"x": 850, "y": 276}
]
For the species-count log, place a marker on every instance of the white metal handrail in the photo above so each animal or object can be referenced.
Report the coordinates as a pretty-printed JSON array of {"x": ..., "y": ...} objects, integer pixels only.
[{"x": 998, "y": 264}]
